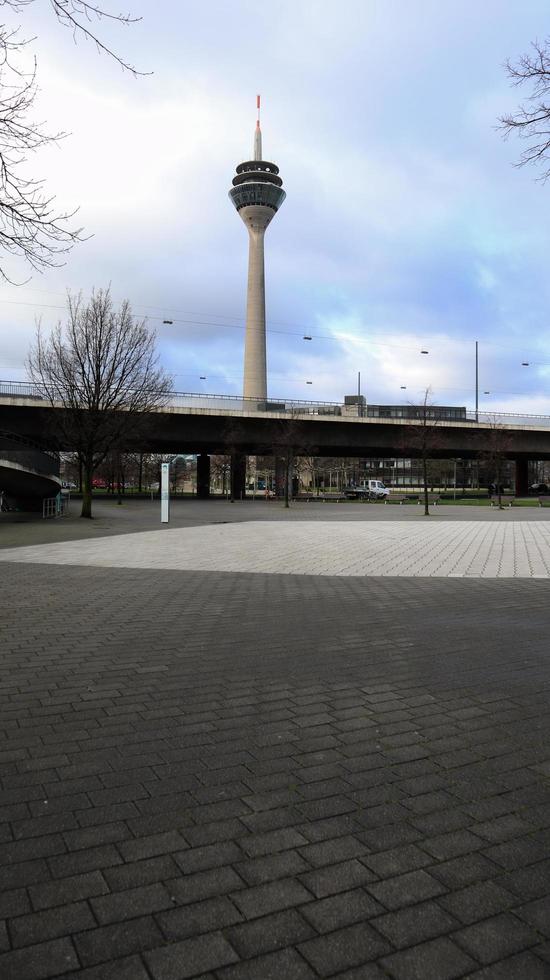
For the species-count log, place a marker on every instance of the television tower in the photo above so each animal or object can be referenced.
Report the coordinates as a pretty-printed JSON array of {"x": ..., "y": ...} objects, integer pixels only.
[{"x": 257, "y": 194}]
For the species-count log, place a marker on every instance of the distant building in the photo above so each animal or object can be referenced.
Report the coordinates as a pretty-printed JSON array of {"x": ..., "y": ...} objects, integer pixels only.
[
  {"x": 445, "y": 413},
  {"x": 356, "y": 405}
]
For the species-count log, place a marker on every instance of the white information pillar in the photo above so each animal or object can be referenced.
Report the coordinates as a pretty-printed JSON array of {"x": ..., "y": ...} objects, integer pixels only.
[{"x": 165, "y": 493}]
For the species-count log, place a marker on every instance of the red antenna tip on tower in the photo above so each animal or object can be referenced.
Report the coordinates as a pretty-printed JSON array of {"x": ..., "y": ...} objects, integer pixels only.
[{"x": 258, "y": 101}]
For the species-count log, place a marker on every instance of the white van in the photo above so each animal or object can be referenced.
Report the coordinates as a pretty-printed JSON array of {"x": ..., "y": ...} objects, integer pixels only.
[{"x": 374, "y": 489}]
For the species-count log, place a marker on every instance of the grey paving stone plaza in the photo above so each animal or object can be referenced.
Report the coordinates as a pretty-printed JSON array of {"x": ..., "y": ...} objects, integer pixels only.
[{"x": 259, "y": 745}]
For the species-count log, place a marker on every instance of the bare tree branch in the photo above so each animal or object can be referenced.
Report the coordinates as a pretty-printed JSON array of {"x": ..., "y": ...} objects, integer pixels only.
[
  {"x": 531, "y": 121},
  {"x": 79, "y": 17},
  {"x": 31, "y": 227}
]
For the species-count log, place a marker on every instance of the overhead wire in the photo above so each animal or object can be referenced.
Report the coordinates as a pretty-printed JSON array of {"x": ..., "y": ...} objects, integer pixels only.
[
  {"x": 166, "y": 312},
  {"x": 371, "y": 340}
]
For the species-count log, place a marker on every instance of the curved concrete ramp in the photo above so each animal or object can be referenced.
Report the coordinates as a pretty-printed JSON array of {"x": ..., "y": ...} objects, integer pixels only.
[{"x": 21, "y": 481}]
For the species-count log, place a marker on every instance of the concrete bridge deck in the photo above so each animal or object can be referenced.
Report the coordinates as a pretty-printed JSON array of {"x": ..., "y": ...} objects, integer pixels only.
[{"x": 214, "y": 424}]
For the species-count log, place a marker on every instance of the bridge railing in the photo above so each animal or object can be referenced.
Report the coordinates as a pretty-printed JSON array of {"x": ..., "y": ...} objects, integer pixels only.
[
  {"x": 20, "y": 389},
  {"x": 285, "y": 406},
  {"x": 237, "y": 403},
  {"x": 183, "y": 399}
]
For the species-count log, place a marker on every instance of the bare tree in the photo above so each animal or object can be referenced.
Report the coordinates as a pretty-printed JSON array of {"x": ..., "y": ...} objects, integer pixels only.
[
  {"x": 133, "y": 469},
  {"x": 220, "y": 469},
  {"x": 150, "y": 469},
  {"x": 305, "y": 471},
  {"x": 425, "y": 439},
  {"x": 493, "y": 454},
  {"x": 102, "y": 369},
  {"x": 31, "y": 227},
  {"x": 290, "y": 441},
  {"x": 311, "y": 470},
  {"x": 531, "y": 121}
]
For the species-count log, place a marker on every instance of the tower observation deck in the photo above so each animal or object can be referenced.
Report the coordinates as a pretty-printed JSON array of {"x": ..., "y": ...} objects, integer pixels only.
[{"x": 257, "y": 194}]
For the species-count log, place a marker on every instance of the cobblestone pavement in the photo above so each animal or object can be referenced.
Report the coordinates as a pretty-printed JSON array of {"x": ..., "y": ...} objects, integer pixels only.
[
  {"x": 235, "y": 776},
  {"x": 133, "y": 516},
  {"x": 467, "y": 548}
]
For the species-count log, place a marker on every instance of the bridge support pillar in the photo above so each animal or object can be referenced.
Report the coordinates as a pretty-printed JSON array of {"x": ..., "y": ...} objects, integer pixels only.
[
  {"x": 238, "y": 476},
  {"x": 522, "y": 477},
  {"x": 203, "y": 476}
]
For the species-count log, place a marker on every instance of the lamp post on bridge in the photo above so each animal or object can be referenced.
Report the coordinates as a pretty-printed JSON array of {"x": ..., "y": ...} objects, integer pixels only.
[{"x": 477, "y": 382}]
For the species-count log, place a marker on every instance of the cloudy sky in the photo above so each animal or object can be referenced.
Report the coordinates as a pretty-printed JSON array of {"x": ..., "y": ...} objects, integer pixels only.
[{"x": 406, "y": 226}]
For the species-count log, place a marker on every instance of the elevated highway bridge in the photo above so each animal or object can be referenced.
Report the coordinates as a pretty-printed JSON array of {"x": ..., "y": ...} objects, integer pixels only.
[{"x": 205, "y": 424}]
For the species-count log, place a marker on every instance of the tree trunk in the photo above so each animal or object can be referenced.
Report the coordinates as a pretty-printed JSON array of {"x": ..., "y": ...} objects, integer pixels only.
[
  {"x": 499, "y": 486},
  {"x": 232, "y": 479},
  {"x": 425, "y": 478},
  {"x": 87, "y": 491},
  {"x": 140, "y": 474},
  {"x": 287, "y": 479}
]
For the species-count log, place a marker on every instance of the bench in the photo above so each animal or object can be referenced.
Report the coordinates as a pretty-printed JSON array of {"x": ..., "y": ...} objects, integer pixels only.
[
  {"x": 401, "y": 498},
  {"x": 432, "y": 499},
  {"x": 544, "y": 501},
  {"x": 505, "y": 501},
  {"x": 326, "y": 498}
]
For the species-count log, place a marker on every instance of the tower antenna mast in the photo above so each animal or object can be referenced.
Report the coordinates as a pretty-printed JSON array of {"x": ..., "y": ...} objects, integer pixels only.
[{"x": 258, "y": 134}]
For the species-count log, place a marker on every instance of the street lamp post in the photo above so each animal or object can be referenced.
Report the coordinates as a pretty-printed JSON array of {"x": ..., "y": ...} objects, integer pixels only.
[{"x": 477, "y": 383}]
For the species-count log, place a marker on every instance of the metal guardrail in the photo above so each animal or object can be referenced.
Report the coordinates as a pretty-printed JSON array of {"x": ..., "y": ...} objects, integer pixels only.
[
  {"x": 55, "y": 506},
  {"x": 283, "y": 406},
  {"x": 26, "y": 389}
]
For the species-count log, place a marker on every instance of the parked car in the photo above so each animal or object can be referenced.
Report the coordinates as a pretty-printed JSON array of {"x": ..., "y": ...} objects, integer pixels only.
[{"x": 538, "y": 488}]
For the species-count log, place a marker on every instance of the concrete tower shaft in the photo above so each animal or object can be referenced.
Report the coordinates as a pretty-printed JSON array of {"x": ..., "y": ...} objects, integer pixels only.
[{"x": 257, "y": 194}]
